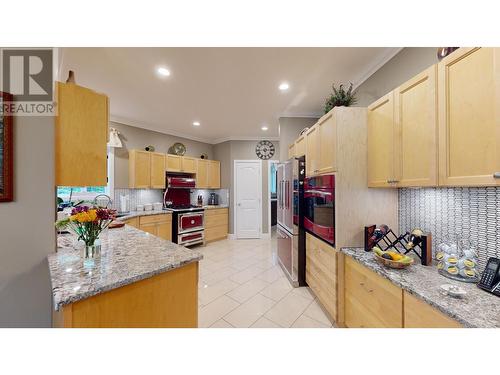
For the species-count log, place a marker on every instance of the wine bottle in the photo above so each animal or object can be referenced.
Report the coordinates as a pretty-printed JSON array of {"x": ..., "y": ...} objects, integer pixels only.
[
  {"x": 380, "y": 232},
  {"x": 415, "y": 238}
]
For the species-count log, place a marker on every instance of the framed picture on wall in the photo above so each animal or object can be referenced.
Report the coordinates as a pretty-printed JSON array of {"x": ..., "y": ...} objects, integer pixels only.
[{"x": 6, "y": 151}]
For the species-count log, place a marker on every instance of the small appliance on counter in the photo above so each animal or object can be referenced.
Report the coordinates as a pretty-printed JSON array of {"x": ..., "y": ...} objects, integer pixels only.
[
  {"x": 200, "y": 200},
  {"x": 124, "y": 203},
  {"x": 458, "y": 261},
  {"x": 490, "y": 279},
  {"x": 213, "y": 200}
]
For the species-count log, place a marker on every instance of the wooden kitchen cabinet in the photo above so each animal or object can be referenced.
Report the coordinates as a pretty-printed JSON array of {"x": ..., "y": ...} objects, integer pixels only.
[
  {"x": 188, "y": 164},
  {"x": 321, "y": 273},
  {"x": 216, "y": 224},
  {"x": 380, "y": 141},
  {"x": 320, "y": 146},
  {"x": 213, "y": 174},
  {"x": 312, "y": 161},
  {"x": 139, "y": 169},
  {"x": 157, "y": 225},
  {"x": 370, "y": 300},
  {"x": 300, "y": 146},
  {"x": 174, "y": 163},
  {"x": 469, "y": 117},
  {"x": 81, "y": 136},
  {"x": 202, "y": 174},
  {"x": 158, "y": 168},
  {"x": 415, "y": 141},
  {"x": 327, "y": 144},
  {"x": 291, "y": 151},
  {"x": 418, "y": 314},
  {"x": 133, "y": 222}
]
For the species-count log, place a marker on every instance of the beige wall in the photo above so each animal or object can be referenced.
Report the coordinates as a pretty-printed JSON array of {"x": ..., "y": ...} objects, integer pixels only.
[
  {"x": 227, "y": 153},
  {"x": 406, "y": 64},
  {"x": 290, "y": 128},
  {"x": 137, "y": 138},
  {"x": 27, "y": 233}
]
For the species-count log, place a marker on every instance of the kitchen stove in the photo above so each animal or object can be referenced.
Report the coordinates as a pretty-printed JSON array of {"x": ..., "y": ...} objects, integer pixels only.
[{"x": 188, "y": 221}]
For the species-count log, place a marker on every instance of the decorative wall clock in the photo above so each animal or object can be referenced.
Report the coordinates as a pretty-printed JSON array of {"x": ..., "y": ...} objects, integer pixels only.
[{"x": 265, "y": 150}]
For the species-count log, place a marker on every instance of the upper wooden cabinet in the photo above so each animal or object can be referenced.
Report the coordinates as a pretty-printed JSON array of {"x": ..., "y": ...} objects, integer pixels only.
[
  {"x": 202, "y": 174},
  {"x": 81, "y": 136},
  {"x": 312, "y": 161},
  {"x": 320, "y": 146},
  {"x": 139, "y": 169},
  {"x": 300, "y": 146},
  {"x": 158, "y": 167},
  {"x": 381, "y": 129},
  {"x": 327, "y": 144},
  {"x": 174, "y": 163},
  {"x": 291, "y": 151},
  {"x": 188, "y": 164},
  {"x": 469, "y": 117},
  {"x": 213, "y": 174},
  {"x": 415, "y": 142}
]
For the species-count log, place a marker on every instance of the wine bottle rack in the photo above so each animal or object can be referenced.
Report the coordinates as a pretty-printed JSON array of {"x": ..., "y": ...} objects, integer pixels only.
[{"x": 391, "y": 241}]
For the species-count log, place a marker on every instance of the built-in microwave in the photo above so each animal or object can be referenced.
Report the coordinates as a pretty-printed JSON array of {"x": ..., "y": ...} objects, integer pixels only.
[{"x": 319, "y": 207}]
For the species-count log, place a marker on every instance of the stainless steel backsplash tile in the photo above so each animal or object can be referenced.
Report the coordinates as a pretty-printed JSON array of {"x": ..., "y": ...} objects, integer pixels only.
[{"x": 472, "y": 212}]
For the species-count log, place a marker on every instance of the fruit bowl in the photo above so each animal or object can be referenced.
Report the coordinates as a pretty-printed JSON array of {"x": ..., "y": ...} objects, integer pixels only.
[{"x": 393, "y": 263}]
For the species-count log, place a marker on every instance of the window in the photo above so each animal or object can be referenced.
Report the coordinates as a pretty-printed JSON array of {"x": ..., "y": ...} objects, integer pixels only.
[{"x": 88, "y": 193}]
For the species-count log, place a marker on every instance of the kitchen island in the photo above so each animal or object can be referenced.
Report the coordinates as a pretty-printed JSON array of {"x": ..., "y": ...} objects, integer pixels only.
[{"x": 139, "y": 280}]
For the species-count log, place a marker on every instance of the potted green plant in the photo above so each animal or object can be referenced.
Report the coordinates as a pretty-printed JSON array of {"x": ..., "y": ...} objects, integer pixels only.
[{"x": 340, "y": 97}]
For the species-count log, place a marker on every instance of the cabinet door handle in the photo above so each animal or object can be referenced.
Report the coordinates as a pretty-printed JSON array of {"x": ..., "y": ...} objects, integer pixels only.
[{"x": 496, "y": 175}]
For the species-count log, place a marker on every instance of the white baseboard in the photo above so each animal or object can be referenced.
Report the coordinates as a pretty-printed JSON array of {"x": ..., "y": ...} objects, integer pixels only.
[
  {"x": 231, "y": 236},
  {"x": 265, "y": 236}
]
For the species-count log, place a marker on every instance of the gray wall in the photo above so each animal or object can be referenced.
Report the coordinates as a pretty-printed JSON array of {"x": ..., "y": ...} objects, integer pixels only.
[
  {"x": 137, "y": 138},
  {"x": 27, "y": 227},
  {"x": 290, "y": 128},
  {"x": 406, "y": 64},
  {"x": 227, "y": 153}
]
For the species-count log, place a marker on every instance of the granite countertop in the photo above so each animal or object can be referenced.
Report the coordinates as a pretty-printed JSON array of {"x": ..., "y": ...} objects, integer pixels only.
[
  {"x": 212, "y": 207},
  {"x": 132, "y": 214},
  {"x": 478, "y": 308},
  {"x": 127, "y": 255}
]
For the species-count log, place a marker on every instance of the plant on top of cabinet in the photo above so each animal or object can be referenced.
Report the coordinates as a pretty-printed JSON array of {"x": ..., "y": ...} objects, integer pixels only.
[{"x": 340, "y": 97}]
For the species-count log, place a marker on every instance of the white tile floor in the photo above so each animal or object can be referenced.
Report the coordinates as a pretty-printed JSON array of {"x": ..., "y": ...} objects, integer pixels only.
[{"x": 242, "y": 285}]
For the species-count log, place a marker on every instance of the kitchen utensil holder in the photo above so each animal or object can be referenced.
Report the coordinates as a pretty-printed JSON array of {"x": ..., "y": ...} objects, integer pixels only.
[{"x": 391, "y": 241}]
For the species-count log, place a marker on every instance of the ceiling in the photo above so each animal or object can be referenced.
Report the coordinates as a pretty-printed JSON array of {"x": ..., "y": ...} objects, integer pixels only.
[{"x": 232, "y": 92}]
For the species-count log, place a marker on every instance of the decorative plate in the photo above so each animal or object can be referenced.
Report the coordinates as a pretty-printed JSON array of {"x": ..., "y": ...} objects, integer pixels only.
[
  {"x": 265, "y": 150},
  {"x": 179, "y": 149}
]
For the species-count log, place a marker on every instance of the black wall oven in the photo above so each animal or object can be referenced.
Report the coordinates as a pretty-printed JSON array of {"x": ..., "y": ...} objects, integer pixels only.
[{"x": 319, "y": 207}]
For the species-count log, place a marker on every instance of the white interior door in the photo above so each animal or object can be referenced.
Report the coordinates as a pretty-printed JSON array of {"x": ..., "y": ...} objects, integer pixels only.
[{"x": 248, "y": 198}]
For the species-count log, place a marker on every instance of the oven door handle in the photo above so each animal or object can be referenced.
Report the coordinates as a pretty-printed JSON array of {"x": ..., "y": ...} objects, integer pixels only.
[
  {"x": 192, "y": 214},
  {"x": 318, "y": 192}
]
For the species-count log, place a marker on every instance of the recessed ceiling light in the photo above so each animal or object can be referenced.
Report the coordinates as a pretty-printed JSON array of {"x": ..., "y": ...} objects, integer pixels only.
[
  {"x": 163, "y": 71},
  {"x": 264, "y": 128},
  {"x": 196, "y": 123},
  {"x": 284, "y": 86}
]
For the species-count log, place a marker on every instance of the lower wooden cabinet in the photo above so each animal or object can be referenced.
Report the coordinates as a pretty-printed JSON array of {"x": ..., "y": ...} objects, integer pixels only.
[
  {"x": 216, "y": 224},
  {"x": 321, "y": 273},
  {"x": 370, "y": 300},
  {"x": 133, "y": 222},
  {"x": 418, "y": 314},
  {"x": 157, "y": 225}
]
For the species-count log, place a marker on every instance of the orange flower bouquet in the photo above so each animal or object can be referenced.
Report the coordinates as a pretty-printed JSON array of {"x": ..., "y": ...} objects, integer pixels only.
[{"x": 88, "y": 223}]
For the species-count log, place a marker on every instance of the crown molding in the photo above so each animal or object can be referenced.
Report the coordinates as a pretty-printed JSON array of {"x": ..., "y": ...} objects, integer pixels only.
[
  {"x": 376, "y": 65},
  {"x": 227, "y": 139}
]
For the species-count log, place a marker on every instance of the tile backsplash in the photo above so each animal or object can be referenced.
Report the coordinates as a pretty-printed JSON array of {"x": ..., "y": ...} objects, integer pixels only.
[
  {"x": 142, "y": 196},
  {"x": 474, "y": 213},
  {"x": 222, "y": 193},
  {"x": 137, "y": 196}
]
